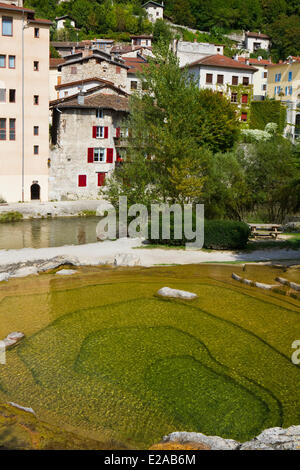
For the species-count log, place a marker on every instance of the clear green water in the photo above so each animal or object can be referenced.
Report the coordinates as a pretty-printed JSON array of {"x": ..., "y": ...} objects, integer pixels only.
[
  {"x": 106, "y": 357},
  {"x": 43, "y": 233}
]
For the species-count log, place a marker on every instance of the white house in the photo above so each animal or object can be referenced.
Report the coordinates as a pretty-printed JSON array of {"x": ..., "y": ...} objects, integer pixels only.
[
  {"x": 61, "y": 21},
  {"x": 226, "y": 76},
  {"x": 260, "y": 78},
  {"x": 155, "y": 11},
  {"x": 144, "y": 40},
  {"x": 188, "y": 52},
  {"x": 255, "y": 41}
]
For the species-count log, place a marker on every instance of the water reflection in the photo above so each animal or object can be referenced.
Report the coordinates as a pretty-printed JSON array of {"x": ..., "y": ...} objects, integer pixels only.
[{"x": 43, "y": 233}]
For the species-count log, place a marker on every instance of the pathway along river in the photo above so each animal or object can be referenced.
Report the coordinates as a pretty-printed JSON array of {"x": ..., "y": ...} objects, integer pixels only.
[{"x": 43, "y": 233}]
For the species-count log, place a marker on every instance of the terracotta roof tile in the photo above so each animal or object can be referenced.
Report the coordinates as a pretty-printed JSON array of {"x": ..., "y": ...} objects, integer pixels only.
[
  {"x": 99, "y": 100},
  {"x": 257, "y": 35},
  {"x": 219, "y": 60},
  {"x": 55, "y": 62},
  {"x": 254, "y": 61}
]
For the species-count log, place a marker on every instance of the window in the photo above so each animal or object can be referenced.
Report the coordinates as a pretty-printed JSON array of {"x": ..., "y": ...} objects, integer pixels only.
[
  {"x": 244, "y": 117},
  {"x": 73, "y": 70},
  {"x": 244, "y": 99},
  {"x": 81, "y": 181},
  {"x": 7, "y": 26},
  {"x": 36, "y": 32},
  {"x": 99, "y": 132},
  {"x": 101, "y": 179},
  {"x": 12, "y": 129},
  {"x": 290, "y": 76},
  {"x": 2, "y": 95},
  {"x": 35, "y": 130},
  {"x": 2, "y": 61},
  {"x": 12, "y": 61},
  {"x": 35, "y": 149},
  {"x": 277, "y": 77},
  {"x": 209, "y": 78},
  {"x": 290, "y": 90},
  {"x": 235, "y": 80},
  {"x": 118, "y": 69},
  {"x": 99, "y": 155},
  {"x": 2, "y": 129},
  {"x": 265, "y": 75},
  {"x": 66, "y": 93},
  {"x": 233, "y": 98},
  {"x": 245, "y": 80},
  {"x": 36, "y": 65},
  {"x": 264, "y": 87},
  {"x": 99, "y": 113},
  {"x": 133, "y": 85},
  {"x": 36, "y": 99},
  {"x": 12, "y": 96},
  {"x": 220, "y": 79}
]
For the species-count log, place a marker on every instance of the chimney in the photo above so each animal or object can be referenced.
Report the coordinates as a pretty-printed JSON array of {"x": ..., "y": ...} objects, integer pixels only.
[
  {"x": 259, "y": 58},
  {"x": 80, "y": 97},
  {"x": 247, "y": 61}
]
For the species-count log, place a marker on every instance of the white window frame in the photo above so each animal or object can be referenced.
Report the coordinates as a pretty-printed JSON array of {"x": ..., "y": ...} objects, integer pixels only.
[
  {"x": 99, "y": 155},
  {"x": 99, "y": 132},
  {"x": 99, "y": 113}
]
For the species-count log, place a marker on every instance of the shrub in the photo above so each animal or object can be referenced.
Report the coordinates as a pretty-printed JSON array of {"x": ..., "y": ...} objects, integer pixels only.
[
  {"x": 218, "y": 235},
  {"x": 263, "y": 112},
  {"x": 10, "y": 217}
]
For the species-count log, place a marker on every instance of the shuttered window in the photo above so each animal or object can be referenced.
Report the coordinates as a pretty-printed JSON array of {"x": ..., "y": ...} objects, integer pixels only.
[
  {"x": 81, "y": 181},
  {"x": 2, "y": 129},
  {"x": 244, "y": 99},
  {"x": 101, "y": 179},
  {"x": 109, "y": 155}
]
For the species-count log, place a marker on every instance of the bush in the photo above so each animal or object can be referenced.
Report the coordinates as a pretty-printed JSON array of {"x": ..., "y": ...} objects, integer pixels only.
[
  {"x": 10, "y": 217},
  {"x": 263, "y": 112},
  {"x": 218, "y": 235}
]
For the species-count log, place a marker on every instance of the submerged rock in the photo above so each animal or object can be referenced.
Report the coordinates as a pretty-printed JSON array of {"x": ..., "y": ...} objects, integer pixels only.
[
  {"x": 66, "y": 272},
  {"x": 270, "y": 439},
  {"x": 12, "y": 339},
  {"x": 125, "y": 259},
  {"x": 176, "y": 293},
  {"x": 4, "y": 277}
]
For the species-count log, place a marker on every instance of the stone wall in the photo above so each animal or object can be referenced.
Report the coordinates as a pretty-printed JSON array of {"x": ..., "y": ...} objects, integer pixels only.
[{"x": 95, "y": 68}]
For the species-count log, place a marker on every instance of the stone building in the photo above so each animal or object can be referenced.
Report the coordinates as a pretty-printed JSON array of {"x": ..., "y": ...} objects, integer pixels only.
[
  {"x": 155, "y": 11},
  {"x": 255, "y": 41},
  {"x": 188, "y": 52},
  {"x": 86, "y": 141},
  {"x": 94, "y": 63}
]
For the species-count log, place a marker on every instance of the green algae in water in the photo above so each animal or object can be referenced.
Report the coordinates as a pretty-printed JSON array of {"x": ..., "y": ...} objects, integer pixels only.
[{"x": 106, "y": 356}]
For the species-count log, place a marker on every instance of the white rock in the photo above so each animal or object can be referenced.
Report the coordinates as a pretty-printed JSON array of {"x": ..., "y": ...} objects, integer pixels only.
[
  {"x": 23, "y": 408},
  {"x": 12, "y": 339},
  {"x": 66, "y": 272},
  {"x": 4, "y": 277},
  {"x": 179, "y": 294},
  {"x": 126, "y": 259},
  {"x": 214, "y": 442},
  {"x": 265, "y": 286},
  {"x": 26, "y": 271}
]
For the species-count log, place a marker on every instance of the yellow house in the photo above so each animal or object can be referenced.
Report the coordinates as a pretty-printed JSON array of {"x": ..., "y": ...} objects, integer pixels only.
[
  {"x": 284, "y": 85},
  {"x": 24, "y": 101}
]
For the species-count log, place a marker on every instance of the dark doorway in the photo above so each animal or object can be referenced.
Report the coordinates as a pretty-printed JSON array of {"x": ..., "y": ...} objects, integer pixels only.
[{"x": 35, "y": 191}]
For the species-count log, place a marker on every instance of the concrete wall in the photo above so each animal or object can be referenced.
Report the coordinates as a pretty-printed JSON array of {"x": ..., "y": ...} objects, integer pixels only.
[
  {"x": 188, "y": 52},
  {"x": 36, "y": 83}
]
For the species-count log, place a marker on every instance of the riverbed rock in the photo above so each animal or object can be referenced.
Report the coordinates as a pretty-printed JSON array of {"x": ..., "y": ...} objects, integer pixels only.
[
  {"x": 66, "y": 272},
  {"x": 56, "y": 262},
  {"x": 176, "y": 293},
  {"x": 23, "y": 408},
  {"x": 212, "y": 442},
  {"x": 270, "y": 439},
  {"x": 126, "y": 259},
  {"x": 26, "y": 271},
  {"x": 12, "y": 339},
  {"x": 4, "y": 277}
]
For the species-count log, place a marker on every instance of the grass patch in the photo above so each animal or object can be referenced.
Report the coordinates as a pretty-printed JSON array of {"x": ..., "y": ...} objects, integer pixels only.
[
  {"x": 87, "y": 213},
  {"x": 13, "y": 216}
]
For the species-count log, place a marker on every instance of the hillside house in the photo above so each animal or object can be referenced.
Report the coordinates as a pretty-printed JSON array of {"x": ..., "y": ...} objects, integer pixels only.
[
  {"x": 86, "y": 139},
  {"x": 155, "y": 11},
  {"x": 228, "y": 77},
  {"x": 255, "y": 41},
  {"x": 188, "y": 52},
  {"x": 260, "y": 78},
  {"x": 61, "y": 22}
]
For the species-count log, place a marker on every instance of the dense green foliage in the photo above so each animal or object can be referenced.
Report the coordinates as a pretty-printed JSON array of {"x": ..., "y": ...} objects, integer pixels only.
[
  {"x": 218, "y": 235},
  {"x": 263, "y": 112},
  {"x": 13, "y": 216},
  {"x": 278, "y": 18}
]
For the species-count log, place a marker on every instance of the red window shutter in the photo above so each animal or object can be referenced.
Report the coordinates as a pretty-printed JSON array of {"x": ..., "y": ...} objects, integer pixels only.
[
  {"x": 109, "y": 155},
  {"x": 81, "y": 180},
  {"x": 244, "y": 116},
  {"x": 94, "y": 132},
  {"x": 105, "y": 132},
  {"x": 101, "y": 179},
  {"x": 244, "y": 98},
  {"x": 90, "y": 157},
  {"x": 118, "y": 132}
]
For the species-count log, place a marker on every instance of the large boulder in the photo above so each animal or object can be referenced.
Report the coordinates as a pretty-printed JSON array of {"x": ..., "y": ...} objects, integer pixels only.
[
  {"x": 126, "y": 259},
  {"x": 212, "y": 442}
]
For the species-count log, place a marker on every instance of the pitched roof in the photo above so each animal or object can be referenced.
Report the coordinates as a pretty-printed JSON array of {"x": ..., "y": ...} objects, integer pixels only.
[
  {"x": 92, "y": 54},
  {"x": 142, "y": 36},
  {"x": 135, "y": 64},
  {"x": 85, "y": 80},
  {"x": 243, "y": 60},
  {"x": 6, "y": 6},
  {"x": 153, "y": 3},
  {"x": 257, "y": 35},
  {"x": 96, "y": 100},
  {"x": 55, "y": 62},
  {"x": 219, "y": 60}
]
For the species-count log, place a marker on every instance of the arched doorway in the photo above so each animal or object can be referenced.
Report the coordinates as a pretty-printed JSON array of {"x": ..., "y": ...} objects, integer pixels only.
[{"x": 35, "y": 191}]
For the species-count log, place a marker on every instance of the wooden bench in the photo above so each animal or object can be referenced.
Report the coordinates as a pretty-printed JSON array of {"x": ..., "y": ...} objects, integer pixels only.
[{"x": 270, "y": 230}]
